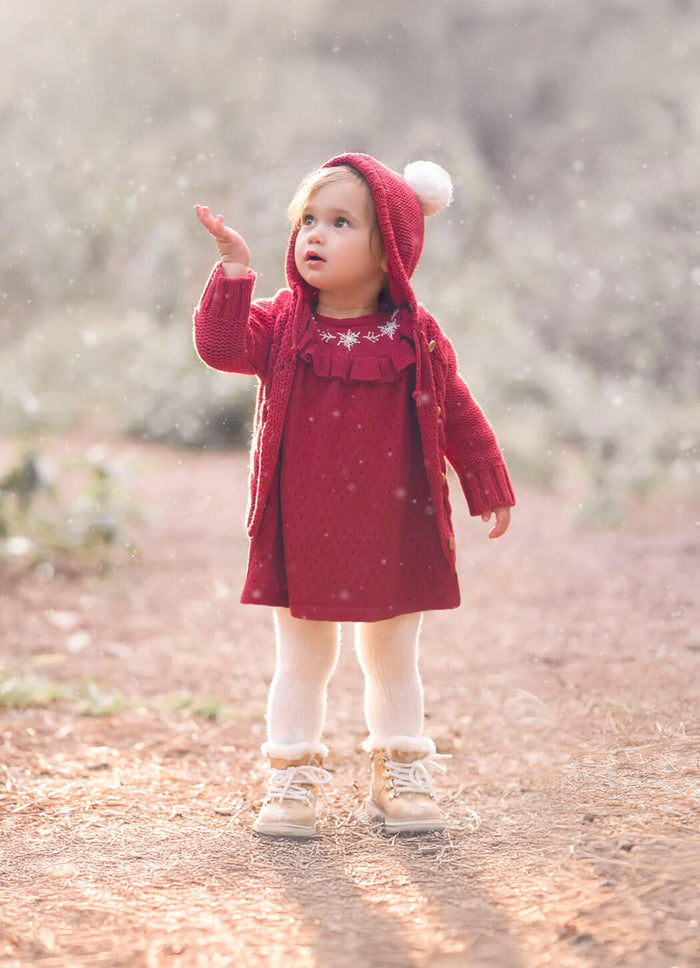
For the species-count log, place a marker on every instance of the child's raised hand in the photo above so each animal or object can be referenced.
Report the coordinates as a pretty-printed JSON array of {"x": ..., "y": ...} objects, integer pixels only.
[
  {"x": 502, "y": 521},
  {"x": 232, "y": 247}
]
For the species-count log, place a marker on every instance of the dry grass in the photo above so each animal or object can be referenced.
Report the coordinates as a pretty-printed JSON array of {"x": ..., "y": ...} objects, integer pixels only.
[
  {"x": 573, "y": 794},
  {"x": 141, "y": 855}
]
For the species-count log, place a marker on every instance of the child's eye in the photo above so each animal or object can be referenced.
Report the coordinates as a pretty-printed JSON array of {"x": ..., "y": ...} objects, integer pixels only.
[
  {"x": 341, "y": 222},
  {"x": 307, "y": 220}
]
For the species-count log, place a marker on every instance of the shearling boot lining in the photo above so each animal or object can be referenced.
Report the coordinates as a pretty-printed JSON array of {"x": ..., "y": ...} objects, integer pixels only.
[
  {"x": 292, "y": 751},
  {"x": 400, "y": 744}
]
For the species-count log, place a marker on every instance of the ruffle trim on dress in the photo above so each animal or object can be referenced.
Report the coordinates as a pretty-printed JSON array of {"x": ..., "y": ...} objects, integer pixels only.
[{"x": 329, "y": 362}]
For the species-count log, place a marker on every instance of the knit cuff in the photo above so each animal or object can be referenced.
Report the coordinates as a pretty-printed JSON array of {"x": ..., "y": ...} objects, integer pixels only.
[
  {"x": 487, "y": 488},
  {"x": 227, "y": 297}
]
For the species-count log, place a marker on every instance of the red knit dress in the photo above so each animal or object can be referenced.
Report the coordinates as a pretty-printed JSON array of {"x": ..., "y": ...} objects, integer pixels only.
[{"x": 370, "y": 548}]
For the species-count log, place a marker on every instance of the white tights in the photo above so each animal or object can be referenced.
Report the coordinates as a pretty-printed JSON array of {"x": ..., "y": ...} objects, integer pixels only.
[{"x": 307, "y": 653}]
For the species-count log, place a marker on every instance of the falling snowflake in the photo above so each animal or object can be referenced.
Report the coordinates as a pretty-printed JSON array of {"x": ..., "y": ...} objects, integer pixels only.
[
  {"x": 348, "y": 339},
  {"x": 372, "y": 337},
  {"x": 389, "y": 329},
  {"x": 325, "y": 335}
]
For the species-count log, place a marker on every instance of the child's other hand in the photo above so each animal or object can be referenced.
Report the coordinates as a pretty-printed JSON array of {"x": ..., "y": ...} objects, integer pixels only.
[
  {"x": 234, "y": 253},
  {"x": 502, "y": 521}
]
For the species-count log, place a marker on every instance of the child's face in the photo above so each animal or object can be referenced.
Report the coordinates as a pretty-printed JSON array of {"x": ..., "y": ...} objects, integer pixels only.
[{"x": 338, "y": 248}]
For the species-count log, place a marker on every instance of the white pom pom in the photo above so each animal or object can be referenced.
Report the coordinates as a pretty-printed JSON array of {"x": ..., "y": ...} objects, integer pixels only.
[{"x": 431, "y": 183}]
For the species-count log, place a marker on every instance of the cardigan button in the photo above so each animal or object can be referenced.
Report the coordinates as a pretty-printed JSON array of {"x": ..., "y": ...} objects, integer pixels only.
[
  {"x": 431, "y": 345},
  {"x": 444, "y": 478},
  {"x": 439, "y": 411},
  {"x": 451, "y": 544}
]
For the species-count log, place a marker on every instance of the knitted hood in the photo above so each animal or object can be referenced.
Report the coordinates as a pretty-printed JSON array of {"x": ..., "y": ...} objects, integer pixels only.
[{"x": 401, "y": 204}]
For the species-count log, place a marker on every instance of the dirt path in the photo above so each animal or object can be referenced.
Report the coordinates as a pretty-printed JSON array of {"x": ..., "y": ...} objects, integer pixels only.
[{"x": 566, "y": 689}]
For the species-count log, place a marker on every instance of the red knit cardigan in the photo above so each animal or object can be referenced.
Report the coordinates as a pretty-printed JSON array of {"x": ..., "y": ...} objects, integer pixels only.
[{"x": 233, "y": 334}]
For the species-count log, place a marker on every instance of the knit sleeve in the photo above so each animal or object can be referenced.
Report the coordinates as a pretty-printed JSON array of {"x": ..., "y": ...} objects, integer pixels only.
[
  {"x": 472, "y": 448},
  {"x": 230, "y": 332}
]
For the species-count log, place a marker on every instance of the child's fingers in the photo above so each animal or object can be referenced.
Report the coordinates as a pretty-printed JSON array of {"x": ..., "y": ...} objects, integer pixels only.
[
  {"x": 214, "y": 225},
  {"x": 232, "y": 248},
  {"x": 203, "y": 213},
  {"x": 502, "y": 522}
]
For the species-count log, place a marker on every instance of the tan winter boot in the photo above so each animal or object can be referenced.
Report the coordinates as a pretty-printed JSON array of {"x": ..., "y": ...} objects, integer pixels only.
[
  {"x": 401, "y": 789},
  {"x": 289, "y": 809}
]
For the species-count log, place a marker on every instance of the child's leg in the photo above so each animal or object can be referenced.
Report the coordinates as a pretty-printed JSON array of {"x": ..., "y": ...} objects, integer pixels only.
[
  {"x": 401, "y": 792},
  {"x": 388, "y": 655},
  {"x": 296, "y": 709},
  {"x": 306, "y": 656}
]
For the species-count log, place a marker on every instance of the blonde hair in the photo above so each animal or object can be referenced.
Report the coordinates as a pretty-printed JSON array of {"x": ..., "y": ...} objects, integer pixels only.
[{"x": 314, "y": 180}]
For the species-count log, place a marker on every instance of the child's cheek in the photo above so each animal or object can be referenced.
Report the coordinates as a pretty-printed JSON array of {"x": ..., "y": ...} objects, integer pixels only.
[{"x": 299, "y": 254}]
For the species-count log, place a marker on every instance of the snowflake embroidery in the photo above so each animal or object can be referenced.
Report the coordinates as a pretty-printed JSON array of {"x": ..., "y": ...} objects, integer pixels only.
[
  {"x": 351, "y": 338},
  {"x": 389, "y": 329},
  {"x": 348, "y": 339}
]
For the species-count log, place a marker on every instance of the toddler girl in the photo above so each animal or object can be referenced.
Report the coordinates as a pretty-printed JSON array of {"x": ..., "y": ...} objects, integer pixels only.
[{"x": 359, "y": 410}]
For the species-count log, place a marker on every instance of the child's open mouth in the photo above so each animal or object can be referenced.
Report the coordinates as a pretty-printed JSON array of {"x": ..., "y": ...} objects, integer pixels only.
[{"x": 314, "y": 257}]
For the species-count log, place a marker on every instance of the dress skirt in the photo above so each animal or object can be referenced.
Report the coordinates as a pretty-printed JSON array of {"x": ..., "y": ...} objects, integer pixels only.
[{"x": 349, "y": 531}]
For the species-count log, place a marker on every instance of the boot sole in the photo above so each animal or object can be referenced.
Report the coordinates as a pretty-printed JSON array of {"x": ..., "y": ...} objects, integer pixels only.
[
  {"x": 375, "y": 812},
  {"x": 286, "y": 830}
]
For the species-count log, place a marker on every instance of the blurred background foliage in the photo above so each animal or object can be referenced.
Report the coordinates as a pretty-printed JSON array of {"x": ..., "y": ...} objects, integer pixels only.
[{"x": 567, "y": 270}]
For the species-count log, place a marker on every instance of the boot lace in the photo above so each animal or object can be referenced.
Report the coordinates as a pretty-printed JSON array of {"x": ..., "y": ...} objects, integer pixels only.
[
  {"x": 293, "y": 782},
  {"x": 415, "y": 777}
]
